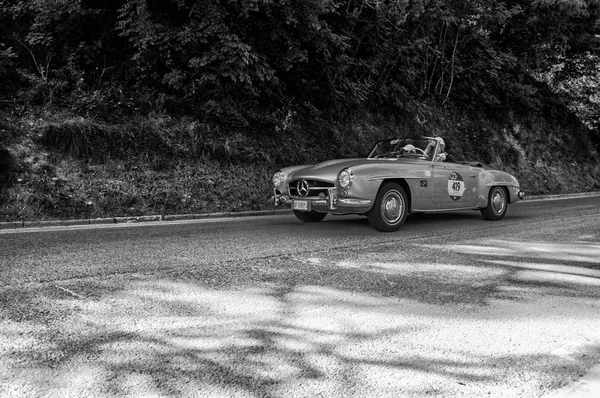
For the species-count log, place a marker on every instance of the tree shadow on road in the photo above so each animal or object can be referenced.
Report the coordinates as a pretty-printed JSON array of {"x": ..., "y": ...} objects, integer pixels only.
[{"x": 370, "y": 322}]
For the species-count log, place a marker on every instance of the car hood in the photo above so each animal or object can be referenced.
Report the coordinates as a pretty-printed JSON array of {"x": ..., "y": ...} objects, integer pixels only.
[{"x": 330, "y": 169}]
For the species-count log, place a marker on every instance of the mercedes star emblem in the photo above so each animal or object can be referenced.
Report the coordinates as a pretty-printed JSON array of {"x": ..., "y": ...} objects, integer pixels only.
[{"x": 302, "y": 188}]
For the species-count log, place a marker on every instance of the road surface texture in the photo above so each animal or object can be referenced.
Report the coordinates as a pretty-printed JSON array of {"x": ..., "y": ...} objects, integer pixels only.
[{"x": 449, "y": 306}]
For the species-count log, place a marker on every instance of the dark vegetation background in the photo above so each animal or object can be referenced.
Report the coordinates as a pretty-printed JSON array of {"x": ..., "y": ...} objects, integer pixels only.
[{"x": 138, "y": 107}]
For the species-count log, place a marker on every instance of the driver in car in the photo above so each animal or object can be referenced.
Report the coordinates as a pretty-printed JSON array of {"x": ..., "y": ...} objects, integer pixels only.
[{"x": 441, "y": 156}]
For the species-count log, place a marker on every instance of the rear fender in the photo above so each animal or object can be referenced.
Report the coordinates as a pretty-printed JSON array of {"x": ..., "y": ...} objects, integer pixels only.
[{"x": 495, "y": 178}]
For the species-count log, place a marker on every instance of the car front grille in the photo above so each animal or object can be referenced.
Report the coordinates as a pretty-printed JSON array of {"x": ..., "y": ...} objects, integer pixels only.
[{"x": 309, "y": 188}]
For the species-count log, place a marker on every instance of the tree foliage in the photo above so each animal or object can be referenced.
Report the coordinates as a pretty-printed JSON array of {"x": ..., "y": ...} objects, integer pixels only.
[{"x": 251, "y": 65}]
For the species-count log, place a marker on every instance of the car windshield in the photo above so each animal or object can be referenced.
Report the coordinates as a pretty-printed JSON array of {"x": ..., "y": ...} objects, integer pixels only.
[{"x": 423, "y": 148}]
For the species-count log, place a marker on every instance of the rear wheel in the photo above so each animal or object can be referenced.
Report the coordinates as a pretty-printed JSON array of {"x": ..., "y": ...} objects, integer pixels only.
[
  {"x": 309, "y": 216},
  {"x": 496, "y": 206},
  {"x": 390, "y": 209}
]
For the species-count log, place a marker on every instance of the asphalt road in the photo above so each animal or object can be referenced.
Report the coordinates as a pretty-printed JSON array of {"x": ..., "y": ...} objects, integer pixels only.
[{"x": 450, "y": 305}]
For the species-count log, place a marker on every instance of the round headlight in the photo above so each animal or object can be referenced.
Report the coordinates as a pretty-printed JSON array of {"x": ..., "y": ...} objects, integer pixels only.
[
  {"x": 345, "y": 178},
  {"x": 277, "y": 178}
]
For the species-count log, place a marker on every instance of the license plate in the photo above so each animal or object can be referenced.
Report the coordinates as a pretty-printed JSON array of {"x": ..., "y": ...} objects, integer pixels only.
[{"x": 301, "y": 205}]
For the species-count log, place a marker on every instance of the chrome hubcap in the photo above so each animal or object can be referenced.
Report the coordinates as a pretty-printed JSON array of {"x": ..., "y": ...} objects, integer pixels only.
[
  {"x": 392, "y": 207},
  {"x": 498, "y": 201}
]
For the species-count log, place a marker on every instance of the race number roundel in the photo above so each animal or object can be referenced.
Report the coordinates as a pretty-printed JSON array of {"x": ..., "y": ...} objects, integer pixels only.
[{"x": 456, "y": 186}]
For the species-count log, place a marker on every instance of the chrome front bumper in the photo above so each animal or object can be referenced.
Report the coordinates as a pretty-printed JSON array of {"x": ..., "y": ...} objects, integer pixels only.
[{"x": 329, "y": 204}]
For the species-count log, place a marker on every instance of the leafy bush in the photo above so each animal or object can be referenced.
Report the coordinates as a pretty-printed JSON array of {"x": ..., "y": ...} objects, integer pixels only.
[
  {"x": 7, "y": 69},
  {"x": 107, "y": 104},
  {"x": 7, "y": 169}
]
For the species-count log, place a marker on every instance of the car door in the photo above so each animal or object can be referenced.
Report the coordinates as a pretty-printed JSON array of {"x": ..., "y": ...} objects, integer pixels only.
[{"x": 454, "y": 185}]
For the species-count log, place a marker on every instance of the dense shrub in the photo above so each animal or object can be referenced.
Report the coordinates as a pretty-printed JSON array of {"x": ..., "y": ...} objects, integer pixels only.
[{"x": 7, "y": 167}]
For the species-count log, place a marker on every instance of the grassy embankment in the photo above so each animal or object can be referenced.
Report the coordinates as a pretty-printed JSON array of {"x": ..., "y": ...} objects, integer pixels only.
[{"x": 57, "y": 166}]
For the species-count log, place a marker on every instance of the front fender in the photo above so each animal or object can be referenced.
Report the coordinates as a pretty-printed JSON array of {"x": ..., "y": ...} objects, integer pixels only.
[
  {"x": 369, "y": 178},
  {"x": 364, "y": 188}
]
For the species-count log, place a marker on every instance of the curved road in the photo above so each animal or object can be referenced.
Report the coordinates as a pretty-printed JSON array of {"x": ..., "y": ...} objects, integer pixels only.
[{"x": 450, "y": 305}]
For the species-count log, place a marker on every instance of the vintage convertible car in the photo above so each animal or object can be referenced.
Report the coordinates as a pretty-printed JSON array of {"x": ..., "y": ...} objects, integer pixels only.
[{"x": 399, "y": 177}]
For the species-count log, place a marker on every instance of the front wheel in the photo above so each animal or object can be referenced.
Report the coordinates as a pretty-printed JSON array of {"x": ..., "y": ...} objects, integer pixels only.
[
  {"x": 496, "y": 206},
  {"x": 390, "y": 209},
  {"x": 309, "y": 216}
]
